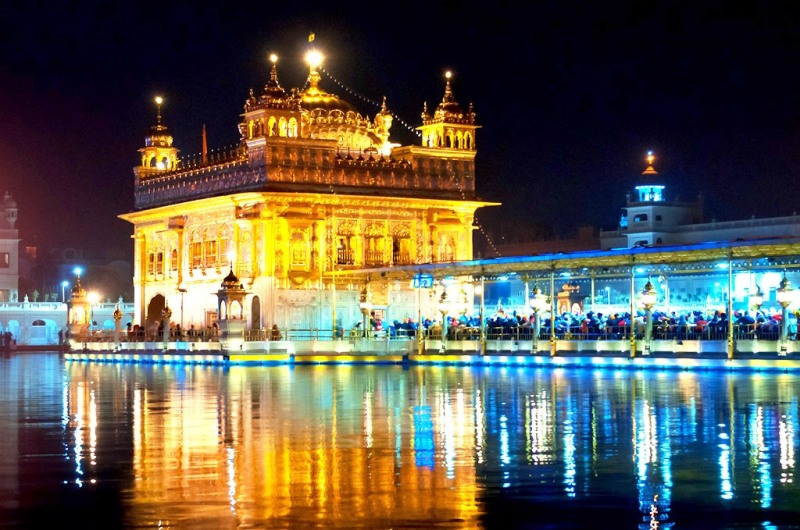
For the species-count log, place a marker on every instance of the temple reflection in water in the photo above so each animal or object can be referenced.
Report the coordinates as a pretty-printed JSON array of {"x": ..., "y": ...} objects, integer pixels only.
[{"x": 386, "y": 444}]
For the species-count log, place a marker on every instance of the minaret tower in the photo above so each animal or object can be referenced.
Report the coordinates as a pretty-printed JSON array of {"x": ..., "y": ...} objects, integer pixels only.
[
  {"x": 649, "y": 218},
  {"x": 650, "y": 187},
  {"x": 158, "y": 154},
  {"x": 449, "y": 127}
]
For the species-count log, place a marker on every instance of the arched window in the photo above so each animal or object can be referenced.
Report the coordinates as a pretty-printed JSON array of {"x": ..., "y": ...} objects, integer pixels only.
[
  {"x": 173, "y": 260},
  {"x": 282, "y": 127},
  {"x": 151, "y": 263}
]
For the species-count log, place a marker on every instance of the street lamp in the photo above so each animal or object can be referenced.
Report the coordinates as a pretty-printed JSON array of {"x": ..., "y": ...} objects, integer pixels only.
[
  {"x": 648, "y": 300},
  {"x": 443, "y": 309},
  {"x": 365, "y": 306},
  {"x": 182, "y": 291},
  {"x": 784, "y": 297},
  {"x": 64, "y": 285},
  {"x": 538, "y": 302}
]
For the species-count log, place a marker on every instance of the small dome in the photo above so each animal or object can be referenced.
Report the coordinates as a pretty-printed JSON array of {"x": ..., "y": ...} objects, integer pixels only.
[
  {"x": 77, "y": 290},
  {"x": 231, "y": 281}
]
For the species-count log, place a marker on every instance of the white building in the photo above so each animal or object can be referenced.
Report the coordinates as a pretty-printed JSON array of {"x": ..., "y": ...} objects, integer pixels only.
[
  {"x": 651, "y": 218},
  {"x": 9, "y": 250}
]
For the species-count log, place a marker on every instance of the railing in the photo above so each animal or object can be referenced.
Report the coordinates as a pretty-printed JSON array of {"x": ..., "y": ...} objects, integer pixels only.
[
  {"x": 401, "y": 258},
  {"x": 461, "y": 333},
  {"x": 345, "y": 257},
  {"x": 106, "y": 335},
  {"x": 374, "y": 258}
]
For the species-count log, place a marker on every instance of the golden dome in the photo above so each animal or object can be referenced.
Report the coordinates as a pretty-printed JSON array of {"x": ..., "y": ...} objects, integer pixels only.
[
  {"x": 448, "y": 111},
  {"x": 274, "y": 95},
  {"x": 315, "y": 98}
]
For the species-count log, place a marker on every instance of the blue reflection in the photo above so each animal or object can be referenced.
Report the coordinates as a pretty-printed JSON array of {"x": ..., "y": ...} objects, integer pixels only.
[{"x": 423, "y": 437}]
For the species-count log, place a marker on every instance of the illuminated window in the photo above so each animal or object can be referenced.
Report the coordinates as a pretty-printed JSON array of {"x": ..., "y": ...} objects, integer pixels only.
[
  {"x": 211, "y": 253},
  {"x": 159, "y": 263},
  {"x": 173, "y": 261},
  {"x": 151, "y": 263},
  {"x": 197, "y": 255},
  {"x": 639, "y": 218}
]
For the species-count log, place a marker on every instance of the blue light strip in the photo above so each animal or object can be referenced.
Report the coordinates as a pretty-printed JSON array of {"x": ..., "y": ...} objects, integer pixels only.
[{"x": 534, "y": 361}]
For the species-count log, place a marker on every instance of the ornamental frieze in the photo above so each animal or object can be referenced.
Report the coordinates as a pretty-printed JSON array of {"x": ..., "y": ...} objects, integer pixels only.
[
  {"x": 401, "y": 230},
  {"x": 346, "y": 227},
  {"x": 373, "y": 229}
]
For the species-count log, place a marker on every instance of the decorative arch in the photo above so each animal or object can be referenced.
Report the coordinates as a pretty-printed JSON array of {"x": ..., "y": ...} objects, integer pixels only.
[
  {"x": 154, "y": 309},
  {"x": 255, "y": 313}
]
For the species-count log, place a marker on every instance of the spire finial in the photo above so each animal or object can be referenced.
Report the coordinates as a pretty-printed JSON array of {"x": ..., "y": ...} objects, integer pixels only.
[
  {"x": 314, "y": 59},
  {"x": 159, "y": 101},
  {"x": 448, "y": 92},
  {"x": 650, "y": 170}
]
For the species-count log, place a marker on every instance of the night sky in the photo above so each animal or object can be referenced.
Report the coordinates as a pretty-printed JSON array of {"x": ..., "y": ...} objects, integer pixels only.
[{"x": 570, "y": 96}]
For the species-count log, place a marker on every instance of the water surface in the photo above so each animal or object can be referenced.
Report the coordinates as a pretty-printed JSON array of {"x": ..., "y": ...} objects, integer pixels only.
[{"x": 95, "y": 445}]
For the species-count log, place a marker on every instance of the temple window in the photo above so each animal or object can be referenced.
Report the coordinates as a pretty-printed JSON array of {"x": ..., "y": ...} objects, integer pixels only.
[
  {"x": 160, "y": 262},
  {"x": 292, "y": 130},
  {"x": 639, "y": 218},
  {"x": 401, "y": 251},
  {"x": 211, "y": 253},
  {"x": 5, "y": 260},
  {"x": 344, "y": 250},
  {"x": 373, "y": 251},
  {"x": 299, "y": 252},
  {"x": 151, "y": 263},
  {"x": 467, "y": 141},
  {"x": 197, "y": 255},
  {"x": 173, "y": 265}
]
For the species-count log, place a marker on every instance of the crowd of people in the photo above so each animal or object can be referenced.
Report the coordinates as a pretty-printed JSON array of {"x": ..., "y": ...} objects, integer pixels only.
[{"x": 689, "y": 325}]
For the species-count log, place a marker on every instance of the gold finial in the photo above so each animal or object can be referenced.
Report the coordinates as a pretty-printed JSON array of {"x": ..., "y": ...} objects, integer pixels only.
[
  {"x": 314, "y": 59},
  {"x": 650, "y": 170},
  {"x": 311, "y": 37},
  {"x": 159, "y": 101}
]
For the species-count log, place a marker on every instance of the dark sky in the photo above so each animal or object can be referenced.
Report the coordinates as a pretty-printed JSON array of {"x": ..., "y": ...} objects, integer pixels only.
[{"x": 570, "y": 96}]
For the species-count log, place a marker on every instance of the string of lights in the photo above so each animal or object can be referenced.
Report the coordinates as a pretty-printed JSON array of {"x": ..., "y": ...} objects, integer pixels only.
[
  {"x": 370, "y": 101},
  {"x": 417, "y": 133},
  {"x": 477, "y": 223}
]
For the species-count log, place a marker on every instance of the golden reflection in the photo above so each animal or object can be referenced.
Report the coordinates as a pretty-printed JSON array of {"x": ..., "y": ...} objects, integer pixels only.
[{"x": 325, "y": 441}]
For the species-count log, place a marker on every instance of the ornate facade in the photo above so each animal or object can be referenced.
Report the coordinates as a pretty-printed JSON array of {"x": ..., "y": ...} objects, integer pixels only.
[{"x": 314, "y": 191}]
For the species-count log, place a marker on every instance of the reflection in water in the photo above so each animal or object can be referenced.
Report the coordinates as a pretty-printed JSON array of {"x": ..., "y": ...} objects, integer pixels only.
[{"x": 381, "y": 447}]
